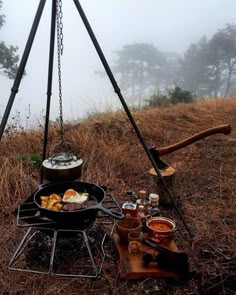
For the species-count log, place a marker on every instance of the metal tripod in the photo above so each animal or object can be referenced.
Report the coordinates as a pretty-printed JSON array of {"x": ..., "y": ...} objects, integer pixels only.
[{"x": 21, "y": 69}]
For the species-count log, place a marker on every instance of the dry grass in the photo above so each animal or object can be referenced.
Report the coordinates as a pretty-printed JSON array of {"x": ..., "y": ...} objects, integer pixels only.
[{"x": 205, "y": 188}]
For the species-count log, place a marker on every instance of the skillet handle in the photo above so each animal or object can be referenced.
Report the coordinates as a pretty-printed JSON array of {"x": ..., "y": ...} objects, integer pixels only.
[{"x": 115, "y": 214}]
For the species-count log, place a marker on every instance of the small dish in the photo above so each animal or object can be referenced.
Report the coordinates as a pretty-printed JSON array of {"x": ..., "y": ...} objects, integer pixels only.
[{"x": 126, "y": 226}]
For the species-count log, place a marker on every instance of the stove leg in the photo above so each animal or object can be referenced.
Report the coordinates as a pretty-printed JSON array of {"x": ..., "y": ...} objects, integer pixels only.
[
  {"x": 103, "y": 253},
  {"x": 21, "y": 246},
  {"x": 90, "y": 254},
  {"x": 54, "y": 242}
]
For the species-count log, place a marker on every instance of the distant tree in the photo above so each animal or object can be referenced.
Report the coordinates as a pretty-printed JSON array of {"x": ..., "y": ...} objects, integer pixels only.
[
  {"x": 171, "y": 71},
  {"x": 195, "y": 68},
  {"x": 222, "y": 58},
  {"x": 1, "y": 16},
  {"x": 8, "y": 56},
  {"x": 142, "y": 70},
  {"x": 209, "y": 66},
  {"x": 232, "y": 89},
  {"x": 139, "y": 67}
]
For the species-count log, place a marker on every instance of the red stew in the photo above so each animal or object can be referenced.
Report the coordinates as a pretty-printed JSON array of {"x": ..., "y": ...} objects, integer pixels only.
[{"x": 160, "y": 226}]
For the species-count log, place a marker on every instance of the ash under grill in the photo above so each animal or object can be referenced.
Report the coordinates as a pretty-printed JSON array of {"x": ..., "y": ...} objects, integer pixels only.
[{"x": 47, "y": 248}]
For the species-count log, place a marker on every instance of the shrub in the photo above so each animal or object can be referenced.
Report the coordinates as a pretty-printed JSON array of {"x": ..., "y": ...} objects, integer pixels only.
[
  {"x": 179, "y": 95},
  {"x": 174, "y": 96},
  {"x": 157, "y": 100}
]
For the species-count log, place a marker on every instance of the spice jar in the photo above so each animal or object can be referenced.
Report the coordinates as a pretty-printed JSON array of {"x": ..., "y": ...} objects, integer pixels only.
[
  {"x": 142, "y": 200},
  {"x": 153, "y": 209},
  {"x": 141, "y": 213},
  {"x": 129, "y": 208}
]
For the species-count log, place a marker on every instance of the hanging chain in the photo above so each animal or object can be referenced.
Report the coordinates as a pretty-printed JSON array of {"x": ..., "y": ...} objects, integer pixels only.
[{"x": 60, "y": 48}]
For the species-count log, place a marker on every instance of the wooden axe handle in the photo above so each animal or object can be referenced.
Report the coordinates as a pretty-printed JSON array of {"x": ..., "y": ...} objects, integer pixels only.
[{"x": 225, "y": 129}]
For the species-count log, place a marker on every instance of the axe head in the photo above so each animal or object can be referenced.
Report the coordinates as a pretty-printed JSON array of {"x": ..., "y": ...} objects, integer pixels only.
[{"x": 160, "y": 163}]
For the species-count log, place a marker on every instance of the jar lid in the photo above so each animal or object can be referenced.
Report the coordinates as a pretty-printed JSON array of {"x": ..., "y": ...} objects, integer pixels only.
[
  {"x": 141, "y": 208},
  {"x": 154, "y": 197},
  {"x": 142, "y": 194}
]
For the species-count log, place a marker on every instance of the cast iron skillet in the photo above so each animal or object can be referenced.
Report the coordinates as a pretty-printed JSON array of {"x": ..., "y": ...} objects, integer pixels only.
[{"x": 74, "y": 218}]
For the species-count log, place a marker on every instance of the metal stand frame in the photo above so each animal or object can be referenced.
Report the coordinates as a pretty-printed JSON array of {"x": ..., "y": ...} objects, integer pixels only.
[
  {"x": 28, "y": 217},
  {"x": 21, "y": 69},
  {"x": 29, "y": 235}
]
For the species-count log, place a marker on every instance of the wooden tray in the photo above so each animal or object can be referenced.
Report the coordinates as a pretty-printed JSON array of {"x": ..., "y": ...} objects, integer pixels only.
[{"x": 131, "y": 267}]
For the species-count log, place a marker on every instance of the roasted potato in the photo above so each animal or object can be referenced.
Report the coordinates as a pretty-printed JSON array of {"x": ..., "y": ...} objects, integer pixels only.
[
  {"x": 44, "y": 204},
  {"x": 58, "y": 206},
  {"x": 55, "y": 197},
  {"x": 44, "y": 198}
]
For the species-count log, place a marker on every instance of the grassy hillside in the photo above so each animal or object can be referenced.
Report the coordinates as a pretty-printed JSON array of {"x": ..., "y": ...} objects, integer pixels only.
[{"x": 205, "y": 189}]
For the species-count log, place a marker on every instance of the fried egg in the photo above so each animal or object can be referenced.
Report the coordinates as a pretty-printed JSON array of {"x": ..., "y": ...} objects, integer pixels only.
[{"x": 72, "y": 196}]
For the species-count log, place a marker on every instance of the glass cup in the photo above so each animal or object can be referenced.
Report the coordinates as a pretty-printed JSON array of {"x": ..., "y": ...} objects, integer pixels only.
[{"x": 134, "y": 242}]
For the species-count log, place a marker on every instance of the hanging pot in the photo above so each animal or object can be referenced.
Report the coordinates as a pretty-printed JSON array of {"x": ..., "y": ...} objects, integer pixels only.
[{"x": 62, "y": 166}]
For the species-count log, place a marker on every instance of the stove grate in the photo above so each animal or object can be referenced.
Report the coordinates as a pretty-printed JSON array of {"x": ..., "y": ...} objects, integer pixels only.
[{"x": 47, "y": 249}]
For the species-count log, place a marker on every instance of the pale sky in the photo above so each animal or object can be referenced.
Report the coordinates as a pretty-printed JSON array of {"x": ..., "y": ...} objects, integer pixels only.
[{"x": 171, "y": 25}]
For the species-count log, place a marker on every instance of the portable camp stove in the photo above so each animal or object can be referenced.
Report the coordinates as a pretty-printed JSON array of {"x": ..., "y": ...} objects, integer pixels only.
[{"x": 69, "y": 252}]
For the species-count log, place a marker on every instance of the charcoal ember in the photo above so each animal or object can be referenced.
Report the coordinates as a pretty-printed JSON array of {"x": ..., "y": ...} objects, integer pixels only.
[
  {"x": 71, "y": 251},
  {"x": 40, "y": 256},
  {"x": 38, "y": 250},
  {"x": 69, "y": 248}
]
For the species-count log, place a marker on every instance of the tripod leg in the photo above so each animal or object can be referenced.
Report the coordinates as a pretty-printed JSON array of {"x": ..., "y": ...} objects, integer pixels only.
[
  {"x": 111, "y": 76},
  {"x": 50, "y": 74},
  {"x": 21, "y": 69},
  {"x": 132, "y": 121}
]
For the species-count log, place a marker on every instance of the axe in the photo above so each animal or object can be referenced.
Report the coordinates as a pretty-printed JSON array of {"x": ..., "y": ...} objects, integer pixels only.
[{"x": 157, "y": 152}]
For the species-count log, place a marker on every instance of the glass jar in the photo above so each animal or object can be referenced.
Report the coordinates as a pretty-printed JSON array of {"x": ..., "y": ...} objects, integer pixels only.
[
  {"x": 153, "y": 209},
  {"x": 129, "y": 208},
  {"x": 142, "y": 200},
  {"x": 141, "y": 215},
  {"x": 141, "y": 212}
]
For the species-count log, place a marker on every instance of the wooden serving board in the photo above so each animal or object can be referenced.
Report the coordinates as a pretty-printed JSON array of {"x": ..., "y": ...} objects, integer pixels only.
[{"x": 131, "y": 267}]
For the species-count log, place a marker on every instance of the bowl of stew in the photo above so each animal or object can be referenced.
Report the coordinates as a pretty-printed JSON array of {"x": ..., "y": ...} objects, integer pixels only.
[{"x": 161, "y": 228}]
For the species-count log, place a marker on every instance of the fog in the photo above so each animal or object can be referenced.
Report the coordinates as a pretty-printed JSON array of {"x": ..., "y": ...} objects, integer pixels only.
[{"x": 170, "y": 25}]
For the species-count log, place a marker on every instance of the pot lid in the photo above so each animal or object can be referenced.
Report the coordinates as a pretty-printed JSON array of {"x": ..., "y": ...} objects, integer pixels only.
[{"x": 62, "y": 161}]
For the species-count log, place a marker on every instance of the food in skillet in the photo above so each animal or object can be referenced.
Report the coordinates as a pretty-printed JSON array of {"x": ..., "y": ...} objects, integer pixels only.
[
  {"x": 71, "y": 200},
  {"x": 72, "y": 196},
  {"x": 76, "y": 206},
  {"x": 53, "y": 202}
]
